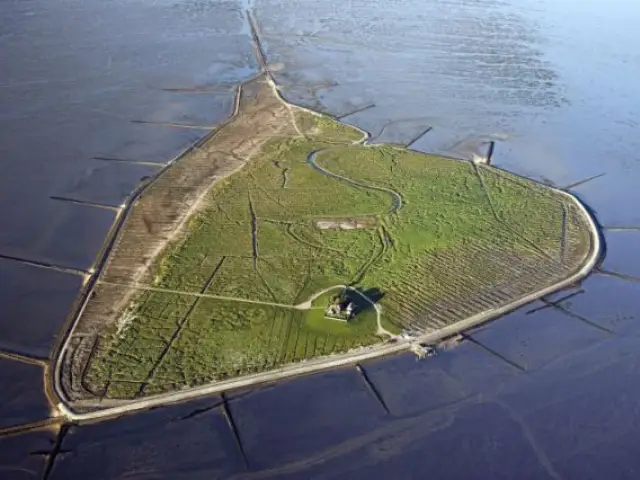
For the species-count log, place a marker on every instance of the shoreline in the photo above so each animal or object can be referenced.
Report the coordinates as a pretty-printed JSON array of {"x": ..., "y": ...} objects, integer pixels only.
[{"x": 65, "y": 406}]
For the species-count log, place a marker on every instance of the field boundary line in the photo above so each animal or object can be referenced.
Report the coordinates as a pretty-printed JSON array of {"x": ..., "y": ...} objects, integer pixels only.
[{"x": 65, "y": 407}]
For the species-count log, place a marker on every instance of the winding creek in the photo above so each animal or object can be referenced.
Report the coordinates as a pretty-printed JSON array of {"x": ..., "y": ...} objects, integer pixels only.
[
  {"x": 395, "y": 196},
  {"x": 97, "y": 96}
]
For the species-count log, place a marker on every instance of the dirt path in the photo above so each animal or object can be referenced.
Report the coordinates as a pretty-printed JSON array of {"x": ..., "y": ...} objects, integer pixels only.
[
  {"x": 306, "y": 305},
  {"x": 200, "y": 295}
]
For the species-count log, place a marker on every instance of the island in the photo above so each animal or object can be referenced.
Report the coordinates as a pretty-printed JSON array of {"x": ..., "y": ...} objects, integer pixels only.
[{"x": 285, "y": 242}]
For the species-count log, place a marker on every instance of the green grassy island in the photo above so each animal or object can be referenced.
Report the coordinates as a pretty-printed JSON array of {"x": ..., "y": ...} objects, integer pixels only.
[{"x": 227, "y": 263}]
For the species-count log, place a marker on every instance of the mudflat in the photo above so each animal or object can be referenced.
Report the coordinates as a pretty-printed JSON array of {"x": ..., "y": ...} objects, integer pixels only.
[{"x": 226, "y": 263}]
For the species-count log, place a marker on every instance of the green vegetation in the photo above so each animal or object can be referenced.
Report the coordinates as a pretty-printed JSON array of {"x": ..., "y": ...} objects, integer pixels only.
[
  {"x": 363, "y": 325},
  {"x": 460, "y": 230}
]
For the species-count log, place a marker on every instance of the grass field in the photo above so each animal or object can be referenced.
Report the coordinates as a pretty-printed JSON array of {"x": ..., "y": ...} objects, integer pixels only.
[{"x": 464, "y": 239}]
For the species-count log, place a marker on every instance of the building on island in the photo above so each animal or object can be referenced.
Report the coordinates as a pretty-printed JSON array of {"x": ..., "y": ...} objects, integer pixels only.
[{"x": 340, "y": 308}]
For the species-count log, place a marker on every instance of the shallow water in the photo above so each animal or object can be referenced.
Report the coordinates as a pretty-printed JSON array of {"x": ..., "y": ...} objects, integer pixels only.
[
  {"x": 36, "y": 302},
  {"x": 184, "y": 441},
  {"x": 23, "y": 398},
  {"x": 79, "y": 74},
  {"x": 622, "y": 252},
  {"x": 24, "y": 456},
  {"x": 552, "y": 394}
]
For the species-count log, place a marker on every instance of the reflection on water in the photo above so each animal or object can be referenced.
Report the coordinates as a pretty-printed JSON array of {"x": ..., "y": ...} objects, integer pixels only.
[
  {"x": 24, "y": 401},
  {"x": 514, "y": 71},
  {"x": 552, "y": 82},
  {"x": 299, "y": 419},
  {"x": 468, "y": 68},
  {"x": 183, "y": 441},
  {"x": 537, "y": 335},
  {"x": 35, "y": 303},
  {"x": 18, "y": 454},
  {"x": 622, "y": 252},
  {"x": 79, "y": 74}
]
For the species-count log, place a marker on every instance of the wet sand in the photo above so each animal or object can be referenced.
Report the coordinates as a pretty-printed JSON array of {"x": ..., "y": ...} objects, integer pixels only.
[{"x": 532, "y": 76}]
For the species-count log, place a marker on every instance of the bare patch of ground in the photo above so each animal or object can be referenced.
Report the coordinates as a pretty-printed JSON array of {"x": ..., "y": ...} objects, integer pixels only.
[{"x": 344, "y": 224}]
